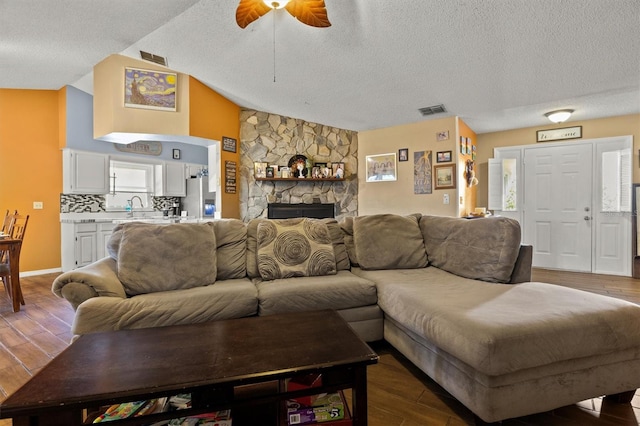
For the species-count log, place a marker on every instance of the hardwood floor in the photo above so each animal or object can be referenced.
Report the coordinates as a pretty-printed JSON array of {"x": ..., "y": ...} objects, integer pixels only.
[{"x": 399, "y": 393}]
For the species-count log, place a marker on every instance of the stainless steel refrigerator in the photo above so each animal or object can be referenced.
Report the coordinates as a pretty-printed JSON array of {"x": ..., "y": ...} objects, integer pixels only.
[{"x": 199, "y": 202}]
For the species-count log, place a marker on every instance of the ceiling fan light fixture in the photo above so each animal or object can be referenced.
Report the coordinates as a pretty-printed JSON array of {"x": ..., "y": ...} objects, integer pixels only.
[
  {"x": 560, "y": 115},
  {"x": 276, "y": 4}
]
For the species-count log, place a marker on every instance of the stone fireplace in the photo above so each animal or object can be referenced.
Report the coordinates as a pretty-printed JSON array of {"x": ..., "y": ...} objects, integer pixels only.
[{"x": 274, "y": 139}]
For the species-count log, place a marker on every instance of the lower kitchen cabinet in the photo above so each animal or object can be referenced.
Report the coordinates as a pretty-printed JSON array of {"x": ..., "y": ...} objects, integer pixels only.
[{"x": 84, "y": 243}]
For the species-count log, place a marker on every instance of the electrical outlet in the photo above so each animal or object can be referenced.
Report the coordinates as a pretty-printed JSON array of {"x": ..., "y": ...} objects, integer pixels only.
[
  {"x": 445, "y": 199},
  {"x": 38, "y": 205}
]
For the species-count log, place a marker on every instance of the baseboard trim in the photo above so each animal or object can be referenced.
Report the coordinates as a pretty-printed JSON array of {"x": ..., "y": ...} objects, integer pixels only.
[{"x": 39, "y": 272}]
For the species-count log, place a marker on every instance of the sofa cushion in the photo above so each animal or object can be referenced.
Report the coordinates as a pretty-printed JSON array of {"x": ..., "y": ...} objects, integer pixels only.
[
  {"x": 294, "y": 248},
  {"x": 252, "y": 247},
  {"x": 155, "y": 258},
  {"x": 502, "y": 328},
  {"x": 339, "y": 247},
  {"x": 224, "y": 300},
  {"x": 231, "y": 248},
  {"x": 341, "y": 291},
  {"x": 346, "y": 225},
  {"x": 482, "y": 249},
  {"x": 388, "y": 241}
]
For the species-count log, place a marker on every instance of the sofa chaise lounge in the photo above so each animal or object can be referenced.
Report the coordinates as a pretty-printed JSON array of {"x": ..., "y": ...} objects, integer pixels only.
[{"x": 453, "y": 295}]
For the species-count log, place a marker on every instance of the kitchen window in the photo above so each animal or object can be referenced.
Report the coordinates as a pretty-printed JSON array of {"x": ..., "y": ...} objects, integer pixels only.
[{"x": 130, "y": 181}]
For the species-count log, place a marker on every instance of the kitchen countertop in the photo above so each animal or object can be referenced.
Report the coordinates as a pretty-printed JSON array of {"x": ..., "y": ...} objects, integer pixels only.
[{"x": 121, "y": 217}]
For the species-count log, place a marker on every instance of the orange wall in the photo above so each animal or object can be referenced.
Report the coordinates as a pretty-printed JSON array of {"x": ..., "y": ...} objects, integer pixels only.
[
  {"x": 468, "y": 194},
  {"x": 31, "y": 170},
  {"x": 212, "y": 116}
]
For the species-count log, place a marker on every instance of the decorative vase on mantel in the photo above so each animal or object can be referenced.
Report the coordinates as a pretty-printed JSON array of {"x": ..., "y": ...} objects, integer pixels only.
[{"x": 308, "y": 166}]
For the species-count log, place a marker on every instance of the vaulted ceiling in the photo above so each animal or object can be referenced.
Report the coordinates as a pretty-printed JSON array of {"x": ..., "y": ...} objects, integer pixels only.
[{"x": 498, "y": 64}]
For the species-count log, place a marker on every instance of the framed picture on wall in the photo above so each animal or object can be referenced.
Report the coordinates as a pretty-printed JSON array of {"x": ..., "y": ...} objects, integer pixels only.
[
  {"x": 381, "y": 167},
  {"x": 443, "y": 157},
  {"x": 229, "y": 144},
  {"x": 403, "y": 154},
  {"x": 444, "y": 176},
  {"x": 150, "y": 89},
  {"x": 337, "y": 170},
  {"x": 260, "y": 170}
]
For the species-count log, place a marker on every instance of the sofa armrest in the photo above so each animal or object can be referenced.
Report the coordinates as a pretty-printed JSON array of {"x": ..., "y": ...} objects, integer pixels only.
[
  {"x": 522, "y": 268},
  {"x": 97, "y": 279}
]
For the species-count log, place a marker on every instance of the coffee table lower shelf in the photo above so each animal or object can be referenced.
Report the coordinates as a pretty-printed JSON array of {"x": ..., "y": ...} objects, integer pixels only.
[{"x": 265, "y": 414}]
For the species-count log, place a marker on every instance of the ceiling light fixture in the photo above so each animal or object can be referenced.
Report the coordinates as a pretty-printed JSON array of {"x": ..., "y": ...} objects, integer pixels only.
[
  {"x": 276, "y": 4},
  {"x": 559, "y": 116},
  {"x": 309, "y": 12}
]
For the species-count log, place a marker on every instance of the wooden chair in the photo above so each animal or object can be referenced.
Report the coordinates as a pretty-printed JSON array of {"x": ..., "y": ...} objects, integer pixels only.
[
  {"x": 16, "y": 229},
  {"x": 7, "y": 223},
  {"x": 19, "y": 226}
]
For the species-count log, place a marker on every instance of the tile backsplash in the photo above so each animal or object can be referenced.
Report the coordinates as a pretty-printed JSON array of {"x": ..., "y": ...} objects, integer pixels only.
[
  {"x": 76, "y": 203},
  {"x": 80, "y": 203}
]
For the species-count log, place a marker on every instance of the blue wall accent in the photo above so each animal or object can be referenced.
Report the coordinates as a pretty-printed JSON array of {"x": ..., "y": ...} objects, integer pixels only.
[{"x": 80, "y": 134}]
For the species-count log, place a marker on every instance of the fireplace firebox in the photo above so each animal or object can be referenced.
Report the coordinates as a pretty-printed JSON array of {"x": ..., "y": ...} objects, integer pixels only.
[{"x": 315, "y": 210}]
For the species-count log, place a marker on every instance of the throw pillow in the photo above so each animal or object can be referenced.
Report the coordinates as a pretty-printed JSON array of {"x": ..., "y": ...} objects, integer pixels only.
[
  {"x": 166, "y": 257},
  {"x": 294, "y": 248},
  {"x": 389, "y": 241}
]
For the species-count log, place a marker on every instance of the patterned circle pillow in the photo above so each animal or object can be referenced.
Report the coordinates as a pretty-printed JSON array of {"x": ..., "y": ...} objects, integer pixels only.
[{"x": 294, "y": 248}]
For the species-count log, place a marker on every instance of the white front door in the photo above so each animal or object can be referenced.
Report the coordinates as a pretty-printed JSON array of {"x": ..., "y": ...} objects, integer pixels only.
[{"x": 558, "y": 200}]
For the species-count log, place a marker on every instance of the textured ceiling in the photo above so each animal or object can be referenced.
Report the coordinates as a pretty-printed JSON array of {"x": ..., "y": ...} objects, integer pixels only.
[{"x": 498, "y": 64}]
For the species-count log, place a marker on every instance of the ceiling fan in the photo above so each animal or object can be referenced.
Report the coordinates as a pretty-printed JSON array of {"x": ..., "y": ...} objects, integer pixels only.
[{"x": 310, "y": 12}]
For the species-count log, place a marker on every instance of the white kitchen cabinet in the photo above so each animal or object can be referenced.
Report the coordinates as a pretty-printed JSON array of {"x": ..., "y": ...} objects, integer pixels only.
[
  {"x": 170, "y": 180},
  {"x": 79, "y": 244},
  {"x": 85, "y": 172},
  {"x": 193, "y": 170},
  {"x": 104, "y": 233},
  {"x": 84, "y": 243}
]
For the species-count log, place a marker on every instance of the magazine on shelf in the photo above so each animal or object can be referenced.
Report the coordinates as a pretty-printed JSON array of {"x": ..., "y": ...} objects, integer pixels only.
[
  {"x": 173, "y": 403},
  {"x": 326, "y": 407}
]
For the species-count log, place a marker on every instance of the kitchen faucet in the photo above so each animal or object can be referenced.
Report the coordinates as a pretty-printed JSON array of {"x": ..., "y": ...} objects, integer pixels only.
[
  {"x": 139, "y": 199},
  {"x": 130, "y": 202}
]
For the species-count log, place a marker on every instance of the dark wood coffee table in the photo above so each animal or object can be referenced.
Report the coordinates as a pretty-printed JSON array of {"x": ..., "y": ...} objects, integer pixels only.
[{"x": 212, "y": 361}]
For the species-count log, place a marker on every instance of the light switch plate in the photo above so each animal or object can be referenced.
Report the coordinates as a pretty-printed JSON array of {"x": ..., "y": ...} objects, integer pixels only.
[
  {"x": 38, "y": 205},
  {"x": 445, "y": 199}
]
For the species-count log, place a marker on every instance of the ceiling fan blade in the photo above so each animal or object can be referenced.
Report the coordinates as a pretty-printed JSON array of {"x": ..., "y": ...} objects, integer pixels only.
[
  {"x": 250, "y": 10},
  {"x": 310, "y": 12}
]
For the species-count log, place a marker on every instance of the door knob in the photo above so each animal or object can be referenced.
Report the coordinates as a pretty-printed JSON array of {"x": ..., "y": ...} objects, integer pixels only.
[{"x": 587, "y": 218}]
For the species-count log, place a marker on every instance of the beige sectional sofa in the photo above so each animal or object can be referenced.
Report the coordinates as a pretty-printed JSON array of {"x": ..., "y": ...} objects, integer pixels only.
[{"x": 452, "y": 295}]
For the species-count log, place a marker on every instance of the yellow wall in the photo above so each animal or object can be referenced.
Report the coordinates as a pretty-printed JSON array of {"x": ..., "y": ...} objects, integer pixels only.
[
  {"x": 31, "y": 170},
  {"x": 110, "y": 114},
  {"x": 591, "y": 129},
  {"x": 212, "y": 116},
  {"x": 398, "y": 196}
]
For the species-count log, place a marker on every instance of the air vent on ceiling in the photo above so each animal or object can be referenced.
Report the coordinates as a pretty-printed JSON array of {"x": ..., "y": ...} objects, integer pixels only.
[
  {"x": 153, "y": 58},
  {"x": 435, "y": 109}
]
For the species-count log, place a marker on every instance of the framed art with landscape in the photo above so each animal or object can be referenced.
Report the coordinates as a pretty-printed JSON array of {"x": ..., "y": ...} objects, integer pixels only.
[{"x": 444, "y": 176}]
